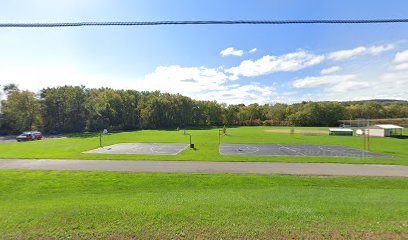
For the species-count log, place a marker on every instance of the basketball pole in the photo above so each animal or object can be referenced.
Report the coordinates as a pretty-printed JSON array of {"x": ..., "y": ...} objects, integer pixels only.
[
  {"x": 219, "y": 137},
  {"x": 100, "y": 139},
  {"x": 368, "y": 139},
  {"x": 368, "y": 135},
  {"x": 364, "y": 143}
]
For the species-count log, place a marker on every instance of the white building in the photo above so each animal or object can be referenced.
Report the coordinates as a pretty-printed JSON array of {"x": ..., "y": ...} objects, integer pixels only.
[
  {"x": 384, "y": 130},
  {"x": 341, "y": 131}
]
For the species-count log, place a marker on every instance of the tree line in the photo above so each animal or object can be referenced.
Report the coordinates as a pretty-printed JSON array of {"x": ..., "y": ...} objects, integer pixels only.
[{"x": 76, "y": 109}]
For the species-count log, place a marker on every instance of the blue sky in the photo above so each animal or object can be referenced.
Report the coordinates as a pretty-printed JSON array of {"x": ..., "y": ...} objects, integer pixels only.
[{"x": 287, "y": 63}]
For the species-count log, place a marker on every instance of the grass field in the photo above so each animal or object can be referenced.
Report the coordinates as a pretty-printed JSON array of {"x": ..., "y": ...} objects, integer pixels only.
[
  {"x": 44, "y": 204},
  {"x": 206, "y": 142}
]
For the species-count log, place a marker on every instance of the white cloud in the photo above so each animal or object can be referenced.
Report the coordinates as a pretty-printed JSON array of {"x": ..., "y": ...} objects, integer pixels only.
[
  {"x": 269, "y": 64},
  {"x": 311, "y": 82},
  {"x": 246, "y": 94},
  {"x": 330, "y": 70},
  {"x": 173, "y": 79},
  {"x": 253, "y": 50},
  {"x": 375, "y": 50},
  {"x": 345, "y": 54},
  {"x": 358, "y": 51},
  {"x": 348, "y": 86},
  {"x": 196, "y": 82},
  {"x": 184, "y": 80},
  {"x": 386, "y": 85},
  {"x": 401, "y": 56},
  {"x": 389, "y": 85},
  {"x": 207, "y": 83},
  {"x": 401, "y": 66},
  {"x": 398, "y": 77},
  {"x": 231, "y": 51}
]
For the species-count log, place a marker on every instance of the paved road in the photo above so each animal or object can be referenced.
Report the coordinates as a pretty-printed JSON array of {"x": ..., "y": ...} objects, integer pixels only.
[
  {"x": 12, "y": 138},
  {"x": 209, "y": 167}
]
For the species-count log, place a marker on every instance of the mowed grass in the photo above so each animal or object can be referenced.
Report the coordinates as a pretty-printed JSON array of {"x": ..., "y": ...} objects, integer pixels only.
[
  {"x": 206, "y": 142},
  {"x": 92, "y": 205}
]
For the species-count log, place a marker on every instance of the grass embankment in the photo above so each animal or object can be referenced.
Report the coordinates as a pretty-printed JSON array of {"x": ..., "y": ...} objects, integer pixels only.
[
  {"x": 206, "y": 142},
  {"x": 44, "y": 204}
]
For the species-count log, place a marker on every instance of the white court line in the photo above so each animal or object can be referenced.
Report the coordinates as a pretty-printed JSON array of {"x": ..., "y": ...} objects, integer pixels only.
[
  {"x": 181, "y": 150},
  {"x": 334, "y": 151},
  {"x": 292, "y": 150},
  {"x": 249, "y": 147},
  {"x": 154, "y": 150},
  {"x": 344, "y": 153},
  {"x": 158, "y": 146},
  {"x": 245, "y": 149},
  {"x": 239, "y": 149}
]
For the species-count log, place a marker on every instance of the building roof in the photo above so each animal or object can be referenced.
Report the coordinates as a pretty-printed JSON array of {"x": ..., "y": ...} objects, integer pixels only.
[
  {"x": 388, "y": 126},
  {"x": 340, "y": 130}
]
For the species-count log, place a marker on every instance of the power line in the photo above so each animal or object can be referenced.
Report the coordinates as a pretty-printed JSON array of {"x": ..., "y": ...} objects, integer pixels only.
[{"x": 216, "y": 22}]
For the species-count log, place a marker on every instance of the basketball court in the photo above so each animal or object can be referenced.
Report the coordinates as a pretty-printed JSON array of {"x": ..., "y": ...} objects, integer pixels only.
[
  {"x": 295, "y": 150},
  {"x": 142, "y": 148}
]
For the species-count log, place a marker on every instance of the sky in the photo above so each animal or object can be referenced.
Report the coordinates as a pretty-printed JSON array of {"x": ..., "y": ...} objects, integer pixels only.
[{"x": 228, "y": 63}]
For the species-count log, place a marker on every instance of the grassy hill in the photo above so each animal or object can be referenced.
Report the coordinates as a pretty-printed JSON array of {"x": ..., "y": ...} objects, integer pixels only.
[
  {"x": 106, "y": 205},
  {"x": 206, "y": 142}
]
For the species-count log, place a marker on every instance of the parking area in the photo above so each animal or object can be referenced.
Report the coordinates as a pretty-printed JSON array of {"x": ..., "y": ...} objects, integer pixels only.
[
  {"x": 12, "y": 138},
  {"x": 295, "y": 150},
  {"x": 142, "y": 148},
  {"x": 6, "y": 139}
]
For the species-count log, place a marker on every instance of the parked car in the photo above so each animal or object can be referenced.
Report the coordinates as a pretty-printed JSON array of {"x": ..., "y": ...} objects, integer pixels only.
[
  {"x": 38, "y": 135},
  {"x": 29, "y": 136}
]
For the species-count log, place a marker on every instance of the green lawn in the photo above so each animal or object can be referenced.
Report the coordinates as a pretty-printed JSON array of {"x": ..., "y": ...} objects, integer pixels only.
[
  {"x": 206, "y": 142},
  {"x": 44, "y": 204}
]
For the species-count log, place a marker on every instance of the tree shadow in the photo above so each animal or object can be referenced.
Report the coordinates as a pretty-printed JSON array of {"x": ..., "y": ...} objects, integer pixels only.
[
  {"x": 400, "y": 137},
  {"x": 83, "y": 135}
]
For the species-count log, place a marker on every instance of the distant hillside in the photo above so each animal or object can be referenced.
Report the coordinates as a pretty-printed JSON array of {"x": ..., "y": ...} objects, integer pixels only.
[{"x": 383, "y": 101}]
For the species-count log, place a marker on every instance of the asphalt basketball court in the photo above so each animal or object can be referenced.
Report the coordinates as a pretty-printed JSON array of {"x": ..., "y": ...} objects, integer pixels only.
[
  {"x": 295, "y": 150},
  {"x": 142, "y": 148},
  {"x": 240, "y": 149}
]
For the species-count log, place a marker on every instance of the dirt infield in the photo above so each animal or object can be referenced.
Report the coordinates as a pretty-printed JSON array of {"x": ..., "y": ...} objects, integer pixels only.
[{"x": 297, "y": 131}]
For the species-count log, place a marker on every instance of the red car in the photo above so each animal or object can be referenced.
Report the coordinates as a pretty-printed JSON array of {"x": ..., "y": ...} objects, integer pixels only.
[{"x": 29, "y": 136}]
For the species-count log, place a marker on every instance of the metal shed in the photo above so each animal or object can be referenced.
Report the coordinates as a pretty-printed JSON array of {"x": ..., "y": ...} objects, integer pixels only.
[{"x": 384, "y": 130}]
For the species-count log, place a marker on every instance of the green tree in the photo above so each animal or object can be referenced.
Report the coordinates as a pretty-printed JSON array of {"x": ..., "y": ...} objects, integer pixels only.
[
  {"x": 64, "y": 108},
  {"x": 231, "y": 115},
  {"x": 21, "y": 111},
  {"x": 277, "y": 112}
]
